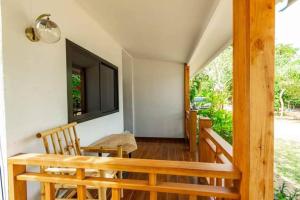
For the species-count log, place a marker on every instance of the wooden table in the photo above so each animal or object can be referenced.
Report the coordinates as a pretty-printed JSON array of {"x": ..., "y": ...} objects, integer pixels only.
[{"x": 126, "y": 140}]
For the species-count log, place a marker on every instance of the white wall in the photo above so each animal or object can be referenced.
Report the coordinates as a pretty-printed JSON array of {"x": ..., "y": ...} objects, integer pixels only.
[
  {"x": 158, "y": 98},
  {"x": 3, "y": 156},
  {"x": 35, "y": 73},
  {"x": 128, "y": 92}
]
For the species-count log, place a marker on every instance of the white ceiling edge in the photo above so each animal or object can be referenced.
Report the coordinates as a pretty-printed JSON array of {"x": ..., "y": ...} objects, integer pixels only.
[
  {"x": 198, "y": 60},
  {"x": 134, "y": 56},
  {"x": 216, "y": 37}
]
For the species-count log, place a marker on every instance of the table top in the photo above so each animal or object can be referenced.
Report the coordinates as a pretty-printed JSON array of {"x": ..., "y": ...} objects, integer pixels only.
[{"x": 126, "y": 140}]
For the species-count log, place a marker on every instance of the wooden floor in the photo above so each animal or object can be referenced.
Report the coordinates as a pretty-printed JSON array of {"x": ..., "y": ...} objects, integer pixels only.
[{"x": 161, "y": 149}]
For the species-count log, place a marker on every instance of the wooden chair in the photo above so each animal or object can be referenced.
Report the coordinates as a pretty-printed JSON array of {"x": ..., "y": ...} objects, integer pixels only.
[{"x": 65, "y": 141}]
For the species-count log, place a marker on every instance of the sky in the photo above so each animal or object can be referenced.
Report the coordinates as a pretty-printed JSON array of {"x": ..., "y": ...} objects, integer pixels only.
[{"x": 288, "y": 25}]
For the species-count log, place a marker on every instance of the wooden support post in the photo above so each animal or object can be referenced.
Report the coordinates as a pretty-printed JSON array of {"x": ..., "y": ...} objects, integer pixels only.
[
  {"x": 49, "y": 191},
  {"x": 81, "y": 189},
  {"x": 186, "y": 94},
  {"x": 193, "y": 130},
  {"x": 152, "y": 182},
  {"x": 17, "y": 189},
  {"x": 253, "y": 83}
]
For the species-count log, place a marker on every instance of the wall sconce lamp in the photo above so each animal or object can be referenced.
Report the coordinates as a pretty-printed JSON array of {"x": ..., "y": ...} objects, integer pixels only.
[{"x": 43, "y": 30}]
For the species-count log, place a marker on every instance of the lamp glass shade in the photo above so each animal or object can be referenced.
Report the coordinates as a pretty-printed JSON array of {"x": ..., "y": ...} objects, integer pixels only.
[{"x": 47, "y": 30}]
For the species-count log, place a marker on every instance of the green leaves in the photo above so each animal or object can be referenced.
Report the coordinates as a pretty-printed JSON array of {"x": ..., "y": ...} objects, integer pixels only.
[
  {"x": 215, "y": 83},
  {"x": 282, "y": 193},
  {"x": 222, "y": 122},
  {"x": 76, "y": 90},
  {"x": 287, "y": 75}
]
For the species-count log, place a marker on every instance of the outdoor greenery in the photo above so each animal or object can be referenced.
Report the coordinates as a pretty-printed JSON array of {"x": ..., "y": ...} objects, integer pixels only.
[
  {"x": 76, "y": 90},
  {"x": 287, "y": 160},
  {"x": 215, "y": 83},
  {"x": 282, "y": 193},
  {"x": 287, "y": 79}
]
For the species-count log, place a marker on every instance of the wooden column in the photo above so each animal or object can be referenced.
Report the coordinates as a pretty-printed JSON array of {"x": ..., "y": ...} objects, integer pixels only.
[
  {"x": 253, "y": 80},
  {"x": 193, "y": 130},
  {"x": 186, "y": 93}
]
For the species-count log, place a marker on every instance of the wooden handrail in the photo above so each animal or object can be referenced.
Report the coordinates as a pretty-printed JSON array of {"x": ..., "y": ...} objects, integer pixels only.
[
  {"x": 217, "y": 144},
  {"x": 18, "y": 175},
  {"x": 214, "y": 149},
  {"x": 181, "y": 168},
  {"x": 223, "y": 145}
]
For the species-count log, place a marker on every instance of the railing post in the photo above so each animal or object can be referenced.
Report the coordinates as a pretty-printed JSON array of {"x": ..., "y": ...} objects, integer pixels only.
[
  {"x": 193, "y": 197},
  {"x": 204, "y": 122},
  {"x": 50, "y": 191},
  {"x": 17, "y": 189},
  {"x": 115, "y": 194},
  {"x": 42, "y": 185},
  {"x": 81, "y": 189},
  {"x": 193, "y": 130},
  {"x": 152, "y": 182}
]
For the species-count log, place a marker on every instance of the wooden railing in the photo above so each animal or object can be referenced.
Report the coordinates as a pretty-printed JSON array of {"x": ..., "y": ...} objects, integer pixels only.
[
  {"x": 19, "y": 176},
  {"x": 214, "y": 149},
  {"x": 191, "y": 129}
]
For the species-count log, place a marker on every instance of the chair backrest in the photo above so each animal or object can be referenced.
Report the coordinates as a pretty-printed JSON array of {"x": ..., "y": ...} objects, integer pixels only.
[{"x": 61, "y": 140}]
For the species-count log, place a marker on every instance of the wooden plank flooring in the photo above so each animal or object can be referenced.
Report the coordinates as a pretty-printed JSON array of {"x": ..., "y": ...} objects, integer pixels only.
[{"x": 160, "y": 149}]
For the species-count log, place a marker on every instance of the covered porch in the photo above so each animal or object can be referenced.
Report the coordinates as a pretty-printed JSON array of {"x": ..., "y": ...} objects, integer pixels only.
[{"x": 134, "y": 61}]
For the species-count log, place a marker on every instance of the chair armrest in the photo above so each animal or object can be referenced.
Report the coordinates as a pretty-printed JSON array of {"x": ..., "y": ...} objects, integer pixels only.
[{"x": 118, "y": 150}]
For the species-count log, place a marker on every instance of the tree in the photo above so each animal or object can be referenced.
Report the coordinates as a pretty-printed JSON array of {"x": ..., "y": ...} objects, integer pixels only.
[
  {"x": 215, "y": 83},
  {"x": 287, "y": 78},
  {"x": 216, "y": 76}
]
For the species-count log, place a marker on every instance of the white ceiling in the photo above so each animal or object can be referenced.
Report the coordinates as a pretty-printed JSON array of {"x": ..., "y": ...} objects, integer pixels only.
[
  {"x": 156, "y": 29},
  {"x": 216, "y": 37}
]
